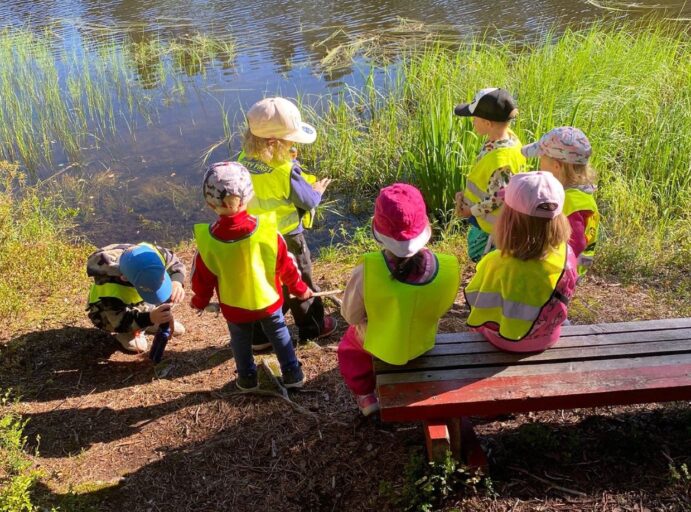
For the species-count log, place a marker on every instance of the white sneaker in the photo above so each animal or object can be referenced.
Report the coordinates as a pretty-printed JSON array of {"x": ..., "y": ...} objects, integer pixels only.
[
  {"x": 179, "y": 329},
  {"x": 133, "y": 341}
]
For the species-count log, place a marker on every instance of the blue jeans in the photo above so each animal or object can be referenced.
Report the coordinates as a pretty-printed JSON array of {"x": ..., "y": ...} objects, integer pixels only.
[{"x": 276, "y": 331}]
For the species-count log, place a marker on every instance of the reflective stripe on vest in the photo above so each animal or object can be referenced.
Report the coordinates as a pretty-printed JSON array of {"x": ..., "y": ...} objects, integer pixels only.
[
  {"x": 481, "y": 172},
  {"x": 511, "y": 293},
  {"x": 402, "y": 318},
  {"x": 245, "y": 268},
  {"x": 124, "y": 291},
  {"x": 272, "y": 194},
  {"x": 577, "y": 200}
]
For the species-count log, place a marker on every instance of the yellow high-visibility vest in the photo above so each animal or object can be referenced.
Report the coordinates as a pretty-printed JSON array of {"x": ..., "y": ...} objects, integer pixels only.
[
  {"x": 511, "y": 293},
  {"x": 577, "y": 200},
  {"x": 124, "y": 291},
  {"x": 272, "y": 194},
  {"x": 245, "y": 268},
  {"x": 402, "y": 318},
  {"x": 477, "y": 181}
]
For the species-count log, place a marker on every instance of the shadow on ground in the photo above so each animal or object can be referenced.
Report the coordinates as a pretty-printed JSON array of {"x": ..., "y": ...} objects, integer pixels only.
[{"x": 75, "y": 361}]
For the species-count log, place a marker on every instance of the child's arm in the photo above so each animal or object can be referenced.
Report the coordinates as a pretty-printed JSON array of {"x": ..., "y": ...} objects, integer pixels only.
[
  {"x": 287, "y": 270},
  {"x": 353, "y": 307},
  {"x": 499, "y": 179},
  {"x": 203, "y": 283},
  {"x": 176, "y": 271},
  {"x": 578, "y": 221},
  {"x": 302, "y": 194}
]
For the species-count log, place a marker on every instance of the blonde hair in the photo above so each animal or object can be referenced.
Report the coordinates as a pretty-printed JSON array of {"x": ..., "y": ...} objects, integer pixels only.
[
  {"x": 578, "y": 174},
  {"x": 526, "y": 238},
  {"x": 269, "y": 151}
]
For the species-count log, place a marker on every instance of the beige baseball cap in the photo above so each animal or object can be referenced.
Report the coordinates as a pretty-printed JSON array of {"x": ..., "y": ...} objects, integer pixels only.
[{"x": 279, "y": 118}]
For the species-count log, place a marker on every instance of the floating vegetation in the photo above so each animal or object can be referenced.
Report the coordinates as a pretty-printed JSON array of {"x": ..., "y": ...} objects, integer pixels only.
[{"x": 59, "y": 99}]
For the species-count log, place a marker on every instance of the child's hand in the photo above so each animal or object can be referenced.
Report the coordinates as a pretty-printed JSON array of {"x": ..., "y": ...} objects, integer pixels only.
[
  {"x": 161, "y": 314},
  {"x": 461, "y": 209},
  {"x": 320, "y": 186},
  {"x": 178, "y": 293},
  {"x": 305, "y": 296}
]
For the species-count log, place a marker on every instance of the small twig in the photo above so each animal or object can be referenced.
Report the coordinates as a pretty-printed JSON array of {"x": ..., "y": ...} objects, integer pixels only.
[
  {"x": 548, "y": 482},
  {"x": 273, "y": 371}
]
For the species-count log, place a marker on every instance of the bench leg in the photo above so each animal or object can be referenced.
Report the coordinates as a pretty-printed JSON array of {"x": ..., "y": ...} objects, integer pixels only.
[
  {"x": 471, "y": 449},
  {"x": 437, "y": 439},
  {"x": 457, "y": 436}
]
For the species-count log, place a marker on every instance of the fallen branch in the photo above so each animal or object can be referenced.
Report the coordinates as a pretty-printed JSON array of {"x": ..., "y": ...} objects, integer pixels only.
[{"x": 549, "y": 482}]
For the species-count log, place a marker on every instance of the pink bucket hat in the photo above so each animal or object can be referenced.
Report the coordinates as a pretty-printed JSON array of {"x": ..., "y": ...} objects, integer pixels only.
[
  {"x": 400, "y": 220},
  {"x": 538, "y": 194},
  {"x": 279, "y": 118},
  {"x": 566, "y": 144}
]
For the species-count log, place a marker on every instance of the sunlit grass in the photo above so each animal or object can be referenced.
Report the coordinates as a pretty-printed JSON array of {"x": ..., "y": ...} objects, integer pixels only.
[{"x": 627, "y": 87}]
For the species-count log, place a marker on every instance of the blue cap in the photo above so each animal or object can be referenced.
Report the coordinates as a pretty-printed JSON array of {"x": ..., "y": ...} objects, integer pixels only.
[{"x": 144, "y": 268}]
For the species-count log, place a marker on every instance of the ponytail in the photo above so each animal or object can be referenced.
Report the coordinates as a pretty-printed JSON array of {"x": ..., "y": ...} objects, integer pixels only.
[{"x": 403, "y": 267}]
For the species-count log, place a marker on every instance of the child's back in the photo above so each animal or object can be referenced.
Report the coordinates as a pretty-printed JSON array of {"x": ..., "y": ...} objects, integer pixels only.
[
  {"x": 519, "y": 295},
  {"x": 394, "y": 298}
]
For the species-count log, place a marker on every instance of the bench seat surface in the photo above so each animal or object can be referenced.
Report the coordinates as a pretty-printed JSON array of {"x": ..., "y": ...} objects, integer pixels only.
[{"x": 591, "y": 365}]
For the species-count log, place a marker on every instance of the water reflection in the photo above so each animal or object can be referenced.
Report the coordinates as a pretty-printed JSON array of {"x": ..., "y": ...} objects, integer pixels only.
[{"x": 282, "y": 47}]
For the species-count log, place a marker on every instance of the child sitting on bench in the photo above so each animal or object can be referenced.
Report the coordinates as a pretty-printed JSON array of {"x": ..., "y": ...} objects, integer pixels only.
[
  {"x": 519, "y": 295},
  {"x": 395, "y": 298}
]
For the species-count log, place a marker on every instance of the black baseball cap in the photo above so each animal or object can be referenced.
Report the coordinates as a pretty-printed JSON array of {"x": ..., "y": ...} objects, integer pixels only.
[{"x": 492, "y": 104}]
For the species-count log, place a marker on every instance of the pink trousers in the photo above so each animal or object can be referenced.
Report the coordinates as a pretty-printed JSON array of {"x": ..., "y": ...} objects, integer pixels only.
[{"x": 355, "y": 363}]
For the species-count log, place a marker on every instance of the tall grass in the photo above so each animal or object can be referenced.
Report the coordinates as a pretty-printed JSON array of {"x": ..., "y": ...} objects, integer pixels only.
[
  {"x": 628, "y": 87},
  {"x": 60, "y": 97},
  {"x": 42, "y": 268}
]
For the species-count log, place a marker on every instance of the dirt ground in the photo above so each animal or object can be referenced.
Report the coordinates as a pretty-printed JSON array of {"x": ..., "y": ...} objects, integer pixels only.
[{"x": 114, "y": 433}]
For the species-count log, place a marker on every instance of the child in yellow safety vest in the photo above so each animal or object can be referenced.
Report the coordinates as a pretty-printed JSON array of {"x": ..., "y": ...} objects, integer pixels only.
[
  {"x": 281, "y": 186},
  {"x": 500, "y": 157},
  {"x": 519, "y": 295},
  {"x": 565, "y": 152},
  {"x": 394, "y": 298},
  {"x": 133, "y": 284},
  {"x": 245, "y": 260}
]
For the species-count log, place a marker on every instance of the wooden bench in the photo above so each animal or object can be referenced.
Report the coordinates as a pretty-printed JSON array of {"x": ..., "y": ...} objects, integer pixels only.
[{"x": 591, "y": 365}]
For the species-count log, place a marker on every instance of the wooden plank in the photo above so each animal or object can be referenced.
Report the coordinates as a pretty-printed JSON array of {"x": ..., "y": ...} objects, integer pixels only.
[
  {"x": 480, "y": 347},
  {"x": 577, "y": 367},
  {"x": 581, "y": 330},
  {"x": 502, "y": 394},
  {"x": 429, "y": 362}
]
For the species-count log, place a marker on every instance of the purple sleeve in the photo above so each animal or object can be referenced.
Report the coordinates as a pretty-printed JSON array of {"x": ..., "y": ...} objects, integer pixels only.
[{"x": 302, "y": 194}]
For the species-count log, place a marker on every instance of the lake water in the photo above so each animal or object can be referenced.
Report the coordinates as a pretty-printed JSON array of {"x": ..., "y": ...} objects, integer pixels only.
[{"x": 280, "y": 48}]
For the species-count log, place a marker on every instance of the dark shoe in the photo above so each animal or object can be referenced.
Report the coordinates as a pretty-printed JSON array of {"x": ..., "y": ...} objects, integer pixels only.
[
  {"x": 258, "y": 347},
  {"x": 294, "y": 378},
  {"x": 330, "y": 324},
  {"x": 247, "y": 383}
]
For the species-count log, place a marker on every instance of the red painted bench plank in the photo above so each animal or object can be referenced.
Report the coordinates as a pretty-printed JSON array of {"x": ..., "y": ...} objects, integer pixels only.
[{"x": 521, "y": 393}]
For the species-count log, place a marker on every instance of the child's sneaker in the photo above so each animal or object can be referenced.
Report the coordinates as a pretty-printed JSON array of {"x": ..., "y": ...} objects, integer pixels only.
[
  {"x": 133, "y": 342},
  {"x": 330, "y": 325},
  {"x": 368, "y": 404},
  {"x": 247, "y": 383},
  {"x": 294, "y": 378},
  {"x": 178, "y": 331}
]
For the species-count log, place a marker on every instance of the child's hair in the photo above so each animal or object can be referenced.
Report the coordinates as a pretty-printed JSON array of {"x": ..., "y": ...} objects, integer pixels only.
[
  {"x": 525, "y": 237},
  {"x": 406, "y": 266},
  {"x": 578, "y": 174},
  {"x": 267, "y": 150}
]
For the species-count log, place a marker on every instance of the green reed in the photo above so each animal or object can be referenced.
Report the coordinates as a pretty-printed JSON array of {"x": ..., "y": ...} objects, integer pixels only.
[
  {"x": 57, "y": 97},
  {"x": 628, "y": 87}
]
